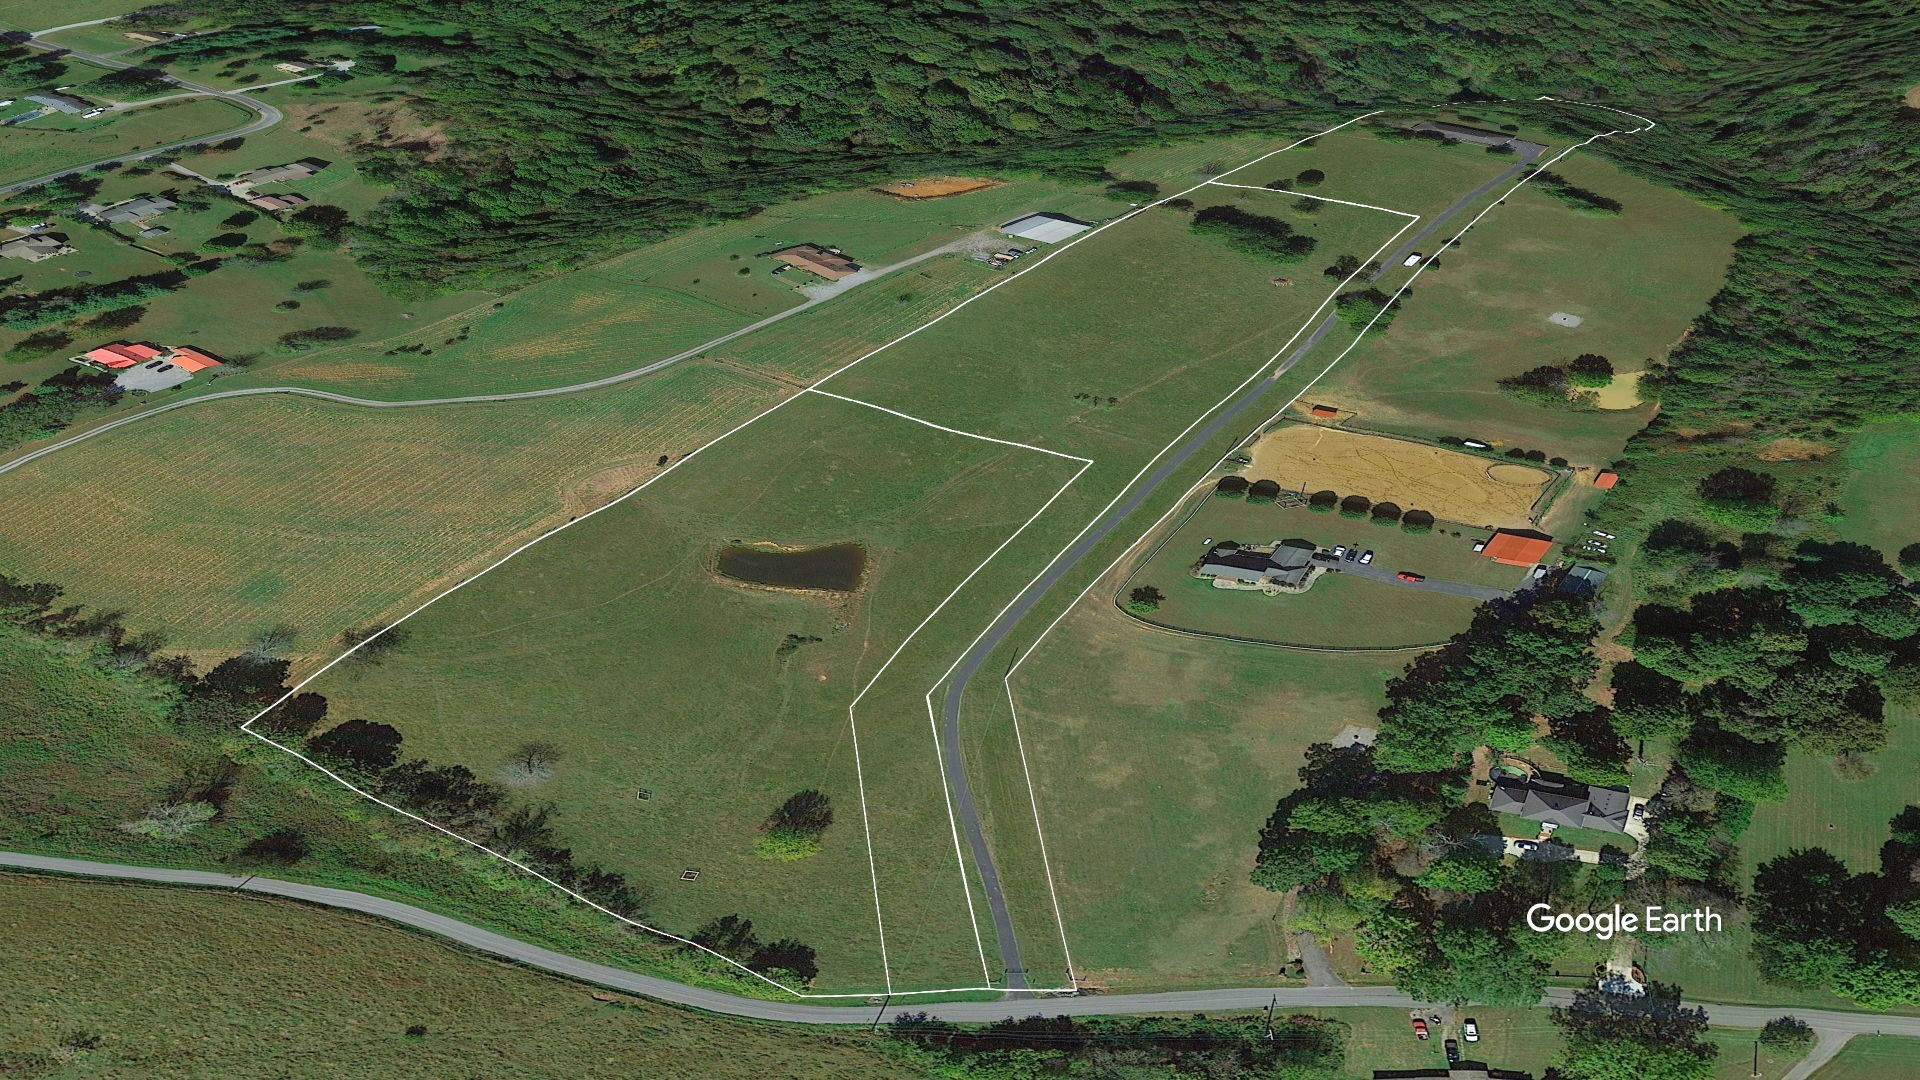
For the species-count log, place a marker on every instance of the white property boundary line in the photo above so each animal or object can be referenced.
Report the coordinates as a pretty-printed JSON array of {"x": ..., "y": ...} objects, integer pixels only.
[
  {"x": 248, "y": 725},
  {"x": 1007, "y": 679}
]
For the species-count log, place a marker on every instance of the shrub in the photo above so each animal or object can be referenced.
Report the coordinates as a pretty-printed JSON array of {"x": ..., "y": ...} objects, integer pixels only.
[
  {"x": 1133, "y": 191},
  {"x": 1787, "y": 1033},
  {"x": 1910, "y": 559},
  {"x": 1385, "y": 513},
  {"x": 1590, "y": 369},
  {"x": 1263, "y": 491},
  {"x": 794, "y": 830},
  {"x": 1145, "y": 600},
  {"x": 1355, "y": 506},
  {"x": 1417, "y": 521},
  {"x": 1231, "y": 487},
  {"x": 1254, "y": 234},
  {"x": 1321, "y": 502},
  {"x": 1310, "y": 178}
]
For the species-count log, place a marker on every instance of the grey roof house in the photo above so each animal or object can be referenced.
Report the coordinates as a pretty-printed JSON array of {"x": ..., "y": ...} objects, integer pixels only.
[
  {"x": 1286, "y": 564},
  {"x": 35, "y": 248},
  {"x": 65, "y": 103},
  {"x": 1561, "y": 801},
  {"x": 1582, "y": 580},
  {"x": 145, "y": 206}
]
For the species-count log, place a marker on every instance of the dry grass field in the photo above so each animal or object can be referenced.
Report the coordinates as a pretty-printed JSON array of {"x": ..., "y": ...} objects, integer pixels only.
[
  {"x": 1452, "y": 485},
  {"x": 235, "y": 516}
]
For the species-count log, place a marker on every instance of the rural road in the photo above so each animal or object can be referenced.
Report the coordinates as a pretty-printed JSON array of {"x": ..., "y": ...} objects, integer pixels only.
[
  {"x": 813, "y": 300},
  {"x": 266, "y": 118},
  {"x": 1523, "y": 156},
  {"x": 1832, "y": 1026},
  {"x": 969, "y": 665}
]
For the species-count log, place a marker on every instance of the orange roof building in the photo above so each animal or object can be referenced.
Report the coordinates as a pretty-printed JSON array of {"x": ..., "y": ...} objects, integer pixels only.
[
  {"x": 818, "y": 260},
  {"x": 191, "y": 359},
  {"x": 119, "y": 355},
  {"x": 1516, "y": 548},
  {"x": 1325, "y": 411},
  {"x": 1605, "y": 478}
]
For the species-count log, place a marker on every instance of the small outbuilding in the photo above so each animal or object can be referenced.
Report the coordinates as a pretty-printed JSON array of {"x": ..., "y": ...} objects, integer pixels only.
[
  {"x": 1325, "y": 412},
  {"x": 1047, "y": 228},
  {"x": 273, "y": 174},
  {"x": 1518, "y": 547},
  {"x": 1582, "y": 580},
  {"x": 1605, "y": 478}
]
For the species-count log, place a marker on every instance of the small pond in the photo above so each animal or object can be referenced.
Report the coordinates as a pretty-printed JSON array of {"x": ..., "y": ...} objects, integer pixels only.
[{"x": 835, "y": 568}]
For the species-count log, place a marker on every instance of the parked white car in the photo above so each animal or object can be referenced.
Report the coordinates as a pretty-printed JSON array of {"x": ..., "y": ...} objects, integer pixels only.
[
  {"x": 1470, "y": 1029},
  {"x": 1366, "y": 558},
  {"x": 1339, "y": 551}
]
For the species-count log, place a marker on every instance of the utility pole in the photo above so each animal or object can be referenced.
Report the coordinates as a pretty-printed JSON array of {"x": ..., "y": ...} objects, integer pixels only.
[
  {"x": 1756, "y": 1056},
  {"x": 883, "y": 1011},
  {"x": 1270, "y": 1007}
]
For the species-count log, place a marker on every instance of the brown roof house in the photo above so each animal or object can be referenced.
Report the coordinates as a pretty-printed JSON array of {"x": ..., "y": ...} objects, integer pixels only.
[{"x": 814, "y": 259}]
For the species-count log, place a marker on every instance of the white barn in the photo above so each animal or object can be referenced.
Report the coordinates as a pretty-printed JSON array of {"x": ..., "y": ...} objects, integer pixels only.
[{"x": 1044, "y": 227}]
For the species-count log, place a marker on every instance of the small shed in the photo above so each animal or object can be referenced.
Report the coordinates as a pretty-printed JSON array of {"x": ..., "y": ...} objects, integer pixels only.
[
  {"x": 1045, "y": 227},
  {"x": 1606, "y": 478},
  {"x": 1325, "y": 412}
]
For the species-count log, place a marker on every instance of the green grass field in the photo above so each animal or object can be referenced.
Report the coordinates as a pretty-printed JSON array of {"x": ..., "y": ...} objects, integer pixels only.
[
  {"x": 527, "y": 654},
  {"x": 56, "y": 142},
  {"x": 40, "y": 14},
  {"x": 1338, "y": 610},
  {"x": 1882, "y": 461},
  {"x": 1874, "y": 1057},
  {"x": 1636, "y": 280},
  {"x": 369, "y": 508},
  {"x": 1847, "y": 817},
  {"x": 265, "y": 987},
  {"x": 675, "y": 294},
  {"x": 1152, "y": 779},
  {"x": 1413, "y": 177}
]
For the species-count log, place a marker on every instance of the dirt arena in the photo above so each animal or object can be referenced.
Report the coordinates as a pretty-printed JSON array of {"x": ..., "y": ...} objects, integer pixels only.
[
  {"x": 1451, "y": 485},
  {"x": 935, "y": 187}
]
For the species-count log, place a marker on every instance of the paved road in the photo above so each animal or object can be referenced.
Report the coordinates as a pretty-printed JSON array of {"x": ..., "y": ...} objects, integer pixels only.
[
  {"x": 1524, "y": 155},
  {"x": 1004, "y": 935},
  {"x": 266, "y": 117},
  {"x": 962, "y": 244},
  {"x": 1176, "y": 1002}
]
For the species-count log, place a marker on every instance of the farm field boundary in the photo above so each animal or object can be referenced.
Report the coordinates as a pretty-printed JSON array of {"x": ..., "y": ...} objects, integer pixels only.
[
  {"x": 813, "y": 390},
  {"x": 1013, "y": 668}
]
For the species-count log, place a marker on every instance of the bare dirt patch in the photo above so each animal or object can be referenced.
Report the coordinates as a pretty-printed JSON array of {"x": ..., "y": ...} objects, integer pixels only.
[
  {"x": 1447, "y": 483},
  {"x": 1913, "y": 98},
  {"x": 354, "y": 126},
  {"x": 936, "y": 187},
  {"x": 1789, "y": 449},
  {"x": 1622, "y": 393}
]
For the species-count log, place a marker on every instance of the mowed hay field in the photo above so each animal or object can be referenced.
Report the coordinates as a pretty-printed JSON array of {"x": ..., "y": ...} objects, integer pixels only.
[
  {"x": 216, "y": 522},
  {"x": 618, "y": 642},
  {"x": 1152, "y": 781},
  {"x": 1636, "y": 280},
  {"x": 1451, "y": 485},
  {"x": 192, "y": 983}
]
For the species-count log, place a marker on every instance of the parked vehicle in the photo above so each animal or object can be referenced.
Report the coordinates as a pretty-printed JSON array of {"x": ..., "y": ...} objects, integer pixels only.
[
  {"x": 1408, "y": 575},
  {"x": 1479, "y": 545},
  {"x": 1353, "y": 553},
  {"x": 1339, "y": 551},
  {"x": 1539, "y": 572},
  {"x": 1452, "y": 1046},
  {"x": 1524, "y": 846},
  {"x": 1366, "y": 557},
  {"x": 91, "y": 113},
  {"x": 1470, "y": 1029},
  {"x": 1420, "y": 1029}
]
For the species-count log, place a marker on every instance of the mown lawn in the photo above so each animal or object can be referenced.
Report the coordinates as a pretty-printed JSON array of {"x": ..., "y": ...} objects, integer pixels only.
[
  {"x": 1637, "y": 280},
  {"x": 1882, "y": 462},
  {"x": 150, "y": 981},
  {"x": 1847, "y": 817},
  {"x": 57, "y": 141},
  {"x": 41, "y": 14},
  {"x": 1874, "y": 1057},
  {"x": 1154, "y": 759}
]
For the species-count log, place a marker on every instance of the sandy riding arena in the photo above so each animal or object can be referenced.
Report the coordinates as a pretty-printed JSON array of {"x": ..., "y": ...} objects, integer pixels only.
[
  {"x": 1451, "y": 485},
  {"x": 935, "y": 187}
]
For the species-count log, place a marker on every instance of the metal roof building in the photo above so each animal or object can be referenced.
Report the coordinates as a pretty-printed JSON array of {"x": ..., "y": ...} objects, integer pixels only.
[{"x": 1046, "y": 228}]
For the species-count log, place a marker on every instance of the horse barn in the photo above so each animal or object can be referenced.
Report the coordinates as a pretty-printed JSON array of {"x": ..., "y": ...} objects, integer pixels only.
[{"x": 828, "y": 263}]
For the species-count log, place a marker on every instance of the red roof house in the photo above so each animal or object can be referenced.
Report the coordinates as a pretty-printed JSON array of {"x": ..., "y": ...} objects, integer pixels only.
[
  {"x": 191, "y": 359},
  {"x": 120, "y": 355},
  {"x": 1516, "y": 548},
  {"x": 1325, "y": 411},
  {"x": 1606, "y": 478}
]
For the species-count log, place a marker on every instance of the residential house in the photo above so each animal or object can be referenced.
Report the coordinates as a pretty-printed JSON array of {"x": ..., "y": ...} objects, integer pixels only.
[
  {"x": 35, "y": 248},
  {"x": 121, "y": 213},
  {"x": 286, "y": 201},
  {"x": 1559, "y": 800},
  {"x": 1582, "y": 580},
  {"x": 65, "y": 103},
  {"x": 274, "y": 174},
  {"x": 1048, "y": 228},
  {"x": 814, "y": 259},
  {"x": 145, "y": 367},
  {"x": 1518, "y": 547},
  {"x": 1286, "y": 562}
]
